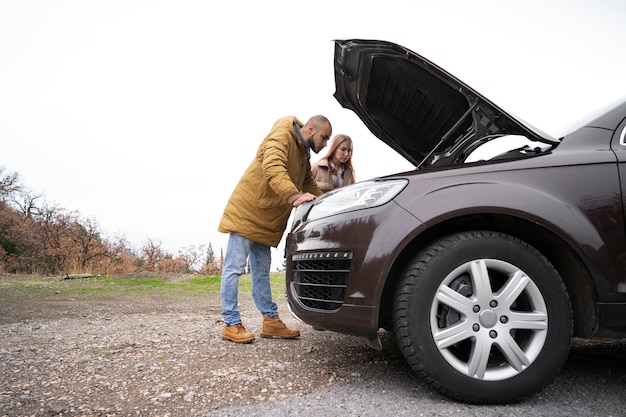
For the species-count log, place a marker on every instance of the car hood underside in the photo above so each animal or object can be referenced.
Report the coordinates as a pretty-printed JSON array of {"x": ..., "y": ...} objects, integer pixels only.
[{"x": 418, "y": 109}]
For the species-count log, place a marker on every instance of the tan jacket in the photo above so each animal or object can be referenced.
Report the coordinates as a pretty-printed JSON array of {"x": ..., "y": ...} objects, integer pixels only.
[
  {"x": 259, "y": 207},
  {"x": 321, "y": 173}
]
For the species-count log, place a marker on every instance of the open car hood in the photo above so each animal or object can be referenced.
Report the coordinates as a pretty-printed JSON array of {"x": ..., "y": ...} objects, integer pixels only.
[{"x": 418, "y": 109}]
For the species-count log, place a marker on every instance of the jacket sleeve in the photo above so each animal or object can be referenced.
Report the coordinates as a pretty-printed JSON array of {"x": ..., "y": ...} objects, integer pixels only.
[{"x": 274, "y": 166}]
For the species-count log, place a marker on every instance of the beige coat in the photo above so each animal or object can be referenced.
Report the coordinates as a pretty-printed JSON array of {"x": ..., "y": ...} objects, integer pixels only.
[
  {"x": 321, "y": 173},
  {"x": 259, "y": 207}
]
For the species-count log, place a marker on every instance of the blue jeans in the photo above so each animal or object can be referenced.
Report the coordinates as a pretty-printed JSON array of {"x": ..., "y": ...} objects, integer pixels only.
[{"x": 237, "y": 252}]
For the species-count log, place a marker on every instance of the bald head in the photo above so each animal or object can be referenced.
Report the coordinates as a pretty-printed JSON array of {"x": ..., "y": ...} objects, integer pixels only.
[{"x": 319, "y": 121}]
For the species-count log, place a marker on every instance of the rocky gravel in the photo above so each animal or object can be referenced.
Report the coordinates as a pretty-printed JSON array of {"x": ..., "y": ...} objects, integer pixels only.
[
  {"x": 158, "y": 357},
  {"x": 151, "y": 356}
]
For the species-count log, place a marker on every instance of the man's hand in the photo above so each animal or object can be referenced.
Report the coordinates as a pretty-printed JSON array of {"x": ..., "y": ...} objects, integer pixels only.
[{"x": 303, "y": 198}]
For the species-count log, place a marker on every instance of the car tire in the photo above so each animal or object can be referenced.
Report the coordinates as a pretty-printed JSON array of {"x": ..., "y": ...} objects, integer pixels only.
[{"x": 484, "y": 317}]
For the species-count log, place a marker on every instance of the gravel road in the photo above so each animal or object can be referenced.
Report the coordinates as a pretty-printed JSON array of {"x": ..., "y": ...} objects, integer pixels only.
[{"x": 164, "y": 357}]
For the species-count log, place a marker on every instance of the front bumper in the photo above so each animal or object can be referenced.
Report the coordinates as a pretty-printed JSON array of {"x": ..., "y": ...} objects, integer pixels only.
[{"x": 337, "y": 267}]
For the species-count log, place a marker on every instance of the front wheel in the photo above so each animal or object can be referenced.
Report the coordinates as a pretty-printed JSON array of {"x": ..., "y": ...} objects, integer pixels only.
[{"x": 484, "y": 317}]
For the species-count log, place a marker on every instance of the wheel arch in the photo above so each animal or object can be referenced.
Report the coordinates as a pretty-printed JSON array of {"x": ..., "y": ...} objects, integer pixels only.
[{"x": 575, "y": 275}]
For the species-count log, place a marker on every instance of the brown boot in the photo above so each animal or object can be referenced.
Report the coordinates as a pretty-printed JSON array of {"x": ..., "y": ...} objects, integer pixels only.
[
  {"x": 237, "y": 333},
  {"x": 275, "y": 327}
]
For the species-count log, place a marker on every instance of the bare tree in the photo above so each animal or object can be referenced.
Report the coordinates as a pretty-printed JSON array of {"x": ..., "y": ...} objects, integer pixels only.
[
  {"x": 53, "y": 226},
  {"x": 192, "y": 257},
  {"x": 152, "y": 254},
  {"x": 9, "y": 183},
  {"x": 88, "y": 242},
  {"x": 25, "y": 203}
]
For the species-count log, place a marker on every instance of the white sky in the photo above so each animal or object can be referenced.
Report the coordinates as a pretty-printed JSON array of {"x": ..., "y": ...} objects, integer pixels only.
[{"x": 144, "y": 114}]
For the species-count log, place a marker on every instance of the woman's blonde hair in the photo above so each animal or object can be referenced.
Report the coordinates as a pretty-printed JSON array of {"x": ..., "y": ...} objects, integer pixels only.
[{"x": 337, "y": 141}]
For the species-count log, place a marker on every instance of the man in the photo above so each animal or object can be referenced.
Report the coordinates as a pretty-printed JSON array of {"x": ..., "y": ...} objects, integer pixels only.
[{"x": 278, "y": 179}]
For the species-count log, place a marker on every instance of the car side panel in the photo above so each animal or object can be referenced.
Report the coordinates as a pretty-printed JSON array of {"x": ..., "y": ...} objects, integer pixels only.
[{"x": 584, "y": 211}]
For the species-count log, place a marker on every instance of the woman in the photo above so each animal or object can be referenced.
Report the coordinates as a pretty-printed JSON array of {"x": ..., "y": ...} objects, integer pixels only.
[{"x": 335, "y": 168}]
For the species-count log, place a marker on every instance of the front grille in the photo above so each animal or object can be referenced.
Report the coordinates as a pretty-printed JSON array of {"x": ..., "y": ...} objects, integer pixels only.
[{"x": 319, "y": 279}]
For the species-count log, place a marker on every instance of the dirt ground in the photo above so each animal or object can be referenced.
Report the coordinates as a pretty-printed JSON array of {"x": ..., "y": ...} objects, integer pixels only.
[{"x": 147, "y": 356}]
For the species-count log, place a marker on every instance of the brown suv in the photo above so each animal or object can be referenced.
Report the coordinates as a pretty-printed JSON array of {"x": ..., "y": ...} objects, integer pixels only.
[{"x": 485, "y": 260}]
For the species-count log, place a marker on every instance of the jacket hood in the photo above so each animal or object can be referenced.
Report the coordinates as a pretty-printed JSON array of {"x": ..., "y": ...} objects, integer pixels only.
[{"x": 418, "y": 109}]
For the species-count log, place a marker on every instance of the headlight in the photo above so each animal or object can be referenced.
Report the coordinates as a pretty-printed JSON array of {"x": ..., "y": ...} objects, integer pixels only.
[{"x": 362, "y": 195}]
